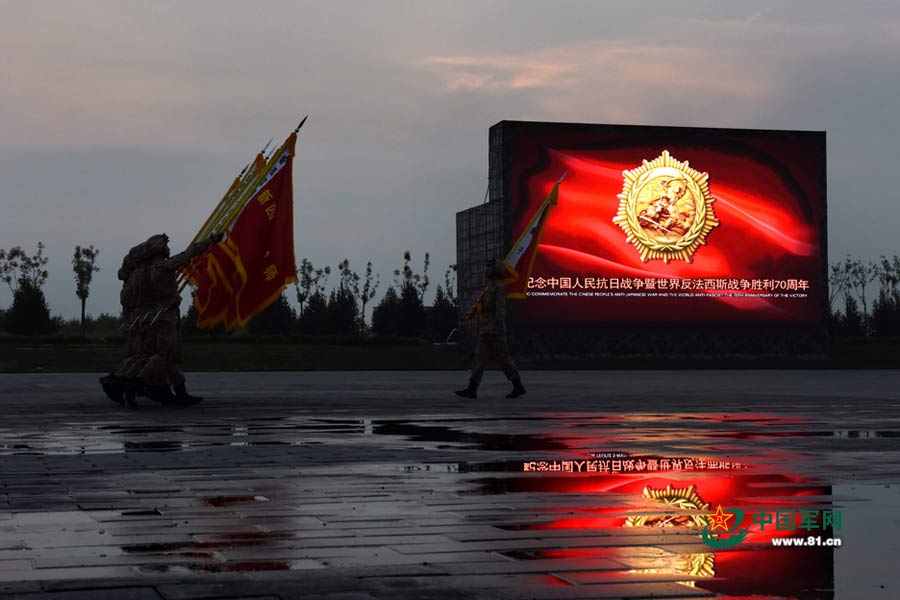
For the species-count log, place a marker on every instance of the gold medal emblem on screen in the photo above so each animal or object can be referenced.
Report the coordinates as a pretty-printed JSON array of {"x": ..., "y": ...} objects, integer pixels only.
[{"x": 666, "y": 209}]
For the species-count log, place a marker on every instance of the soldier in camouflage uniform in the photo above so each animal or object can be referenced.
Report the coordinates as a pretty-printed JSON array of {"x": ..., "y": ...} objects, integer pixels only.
[
  {"x": 150, "y": 315},
  {"x": 135, "y": 277},
  {"x": 492, "y": 335}
]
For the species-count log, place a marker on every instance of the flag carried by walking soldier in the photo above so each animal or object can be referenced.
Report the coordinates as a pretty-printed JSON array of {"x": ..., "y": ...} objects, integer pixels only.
[
  {"x": 519, "y": 262},
  {"x": 245, "y": 273},
  {"x": 215, "y": 275}
]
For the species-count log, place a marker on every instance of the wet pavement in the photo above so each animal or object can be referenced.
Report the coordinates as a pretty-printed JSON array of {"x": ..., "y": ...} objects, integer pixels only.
[{"x": 640, "y": 484}]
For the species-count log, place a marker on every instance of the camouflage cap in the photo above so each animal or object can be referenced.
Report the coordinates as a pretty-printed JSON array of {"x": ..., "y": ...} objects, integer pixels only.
[
  {"x": 156, "y": 245},
  {"x": 495, "y": 267}
]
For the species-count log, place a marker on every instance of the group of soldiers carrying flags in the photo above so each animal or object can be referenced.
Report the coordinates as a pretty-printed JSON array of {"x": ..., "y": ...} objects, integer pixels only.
[{"x": 242, "y": 259}]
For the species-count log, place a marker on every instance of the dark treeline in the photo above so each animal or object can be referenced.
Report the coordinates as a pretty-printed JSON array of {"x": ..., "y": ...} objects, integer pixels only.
[
  {"x": 864, "y": 301},
  {"x": 855, "y": 312},
  {"x": 342, "y": 311}
]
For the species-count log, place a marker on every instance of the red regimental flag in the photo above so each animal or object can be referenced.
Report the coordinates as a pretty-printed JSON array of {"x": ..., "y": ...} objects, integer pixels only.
[
  {"x": 242, "y": 275},
  {"x": 263, "y": 241},
  {"x": 218, "y": 279}
]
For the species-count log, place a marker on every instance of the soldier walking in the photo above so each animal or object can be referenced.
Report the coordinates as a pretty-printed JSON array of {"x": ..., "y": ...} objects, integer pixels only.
[
  {"x": 492, "y": 344},
  {"x": 150, "y": 312}
]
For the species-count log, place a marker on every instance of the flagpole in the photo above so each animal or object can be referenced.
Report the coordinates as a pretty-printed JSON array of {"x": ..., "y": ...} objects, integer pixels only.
[
  {"x": 239, "y": 199},
  {"x": 233, "y": 195},
  {"x": 237, "y": 195},
  {"x": 260, "y": 177},
  {"x": 472, "y": 310},
  {"x": 214, "y": 223},
  {"x": 211, "y": 224},
  {"x": 225, "y": 198}
]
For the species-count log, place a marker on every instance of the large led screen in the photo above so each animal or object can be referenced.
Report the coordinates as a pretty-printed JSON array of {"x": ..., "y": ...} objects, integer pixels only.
[{"x": 663, "y": 224}]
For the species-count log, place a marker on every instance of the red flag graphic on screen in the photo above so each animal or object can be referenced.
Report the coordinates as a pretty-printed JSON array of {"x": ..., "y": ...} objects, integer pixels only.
[{"x": 520, "y": 260}]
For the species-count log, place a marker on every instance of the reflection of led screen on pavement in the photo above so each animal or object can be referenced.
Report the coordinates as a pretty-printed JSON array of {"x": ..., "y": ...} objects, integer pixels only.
[{"x": 671, "y": 224}]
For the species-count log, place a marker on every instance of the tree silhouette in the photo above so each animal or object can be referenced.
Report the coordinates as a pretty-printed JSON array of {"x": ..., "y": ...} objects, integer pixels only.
[
  {"x": 443, "y": 315},
  {"x": 370, "y": 286},
  {"x": 26, "y": 275},
  {"x": 342, "y": 312},
  {"x": 343, "y": 308},
  {"x": 450, "y": 284},
  {"x": 411, "y": 312},
  {"x": 29, "y": 313},
  {"x": 386, "y": 316},
  {"x": 406, "y": 276},
  {"x": 84, "y": 267},
  {"x": 16, "y": 267},
  {"x": 314, "y": 318},
  {"x": 304, "y": 283},
  {"x": 277, "y": 319}
]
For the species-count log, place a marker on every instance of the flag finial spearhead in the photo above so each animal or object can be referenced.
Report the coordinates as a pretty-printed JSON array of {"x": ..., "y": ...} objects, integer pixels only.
[{"x": 301, "y": 123}]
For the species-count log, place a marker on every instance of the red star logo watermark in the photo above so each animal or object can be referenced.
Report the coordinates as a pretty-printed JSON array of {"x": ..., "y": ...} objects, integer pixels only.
[{"x": 719, "y": 519}]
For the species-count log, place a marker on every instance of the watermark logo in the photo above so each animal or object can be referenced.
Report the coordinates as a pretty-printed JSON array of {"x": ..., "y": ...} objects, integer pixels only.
[
  {"x": 724, "y": 527},
  {"x": 731, "y": 535}
]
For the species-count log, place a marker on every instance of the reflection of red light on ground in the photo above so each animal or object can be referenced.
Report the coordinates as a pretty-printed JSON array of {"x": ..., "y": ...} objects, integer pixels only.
[
  {"x": 752, "y": 566},
  {"x": 579, "y": 553},
  {"x": 583, "y": 523},
  {"x": 609, "y": 499},
  {"x": 552, "y": 580}
]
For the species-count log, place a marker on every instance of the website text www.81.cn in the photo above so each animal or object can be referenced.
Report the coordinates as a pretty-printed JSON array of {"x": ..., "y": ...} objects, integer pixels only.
[{"x": 813, "y": 540}]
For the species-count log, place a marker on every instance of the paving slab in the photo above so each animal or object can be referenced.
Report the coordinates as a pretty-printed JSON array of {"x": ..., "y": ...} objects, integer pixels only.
[{"x": 131, "y": 593}]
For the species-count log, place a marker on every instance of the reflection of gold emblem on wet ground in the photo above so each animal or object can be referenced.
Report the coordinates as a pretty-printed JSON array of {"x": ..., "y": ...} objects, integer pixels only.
[
  {"x": 681, "y": 498},
  {"x": 701, "y": 564},
  {"x": 666, "y": 209}
]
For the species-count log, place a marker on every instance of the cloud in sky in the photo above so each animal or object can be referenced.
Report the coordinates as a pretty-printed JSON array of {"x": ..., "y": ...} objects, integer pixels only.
[
  {"x": 122, "y": 119},
  {"x": 729, "y": 67}
]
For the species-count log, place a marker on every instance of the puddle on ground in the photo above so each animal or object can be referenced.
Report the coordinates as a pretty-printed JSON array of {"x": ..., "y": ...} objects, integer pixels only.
[
  {"x": 220, "y": 567},
  {"x": 221, "y": 501},
  {"x": 153, "y": 446},
  {"x": 850, "y": 534},
  {"x": 565, "y": 432},
  {"x": 482, "y": 441},
  {"x": 713, "y": 512},
  {"x": 76, "y": 439},
  {"x": 763, "y": 510},
  {"x": 189, "y": 548},
  {"x": 673, "y": 513}
]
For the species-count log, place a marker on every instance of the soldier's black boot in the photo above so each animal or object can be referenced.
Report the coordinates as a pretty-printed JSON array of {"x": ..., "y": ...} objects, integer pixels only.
[
  {"x": 160, "y": 393},
  {"x": 130, "y": 391},
  {"x": 518, "y": 389},
  {"x": 112, "y": 387},
  {"x": 182, "y": 396},
  {"x": 469, "y": 392}
]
